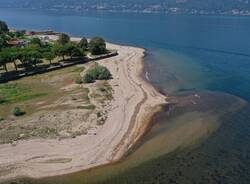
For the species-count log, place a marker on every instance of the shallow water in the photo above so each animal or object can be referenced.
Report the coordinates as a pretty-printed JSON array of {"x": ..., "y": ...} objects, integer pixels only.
[
  {"x": 204, "y": 63},
  {"x": 178, "y": 127}
]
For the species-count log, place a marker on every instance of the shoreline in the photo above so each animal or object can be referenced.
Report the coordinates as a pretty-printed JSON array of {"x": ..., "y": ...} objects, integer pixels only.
[{"x": 135, "y": 103}]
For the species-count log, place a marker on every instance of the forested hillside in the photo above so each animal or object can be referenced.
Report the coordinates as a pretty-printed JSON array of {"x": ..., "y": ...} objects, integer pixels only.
[{"x": 168, "y": 6}]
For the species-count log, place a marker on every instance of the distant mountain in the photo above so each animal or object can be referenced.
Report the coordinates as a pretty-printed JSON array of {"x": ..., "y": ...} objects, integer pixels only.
[{"x": 235, "y": 7}]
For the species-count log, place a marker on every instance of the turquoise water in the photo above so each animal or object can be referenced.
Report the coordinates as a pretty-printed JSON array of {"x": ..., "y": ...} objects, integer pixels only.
[{"x": 207, "y": 55}]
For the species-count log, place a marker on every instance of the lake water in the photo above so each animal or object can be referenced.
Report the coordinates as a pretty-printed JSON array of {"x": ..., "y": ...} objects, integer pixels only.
[{"x": 203, "y": 62}]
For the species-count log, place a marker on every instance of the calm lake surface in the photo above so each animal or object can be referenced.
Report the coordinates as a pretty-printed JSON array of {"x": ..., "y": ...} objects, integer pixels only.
[{"x": 203, "y": 62}]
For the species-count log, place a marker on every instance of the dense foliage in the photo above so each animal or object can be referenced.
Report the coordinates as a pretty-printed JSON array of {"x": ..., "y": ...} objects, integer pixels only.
[
  {"x": 3, "y": 27},
  {"x": 63, "y": 39},
  {"x": 96, "y": 73},
  {"x": 29, "y": 51},
  {"x": 83, "y": 44},
  {"x": 97, "y": 46}
]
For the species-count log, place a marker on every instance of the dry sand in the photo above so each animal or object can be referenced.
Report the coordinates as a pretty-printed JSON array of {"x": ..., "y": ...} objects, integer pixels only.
[{"x": 134, "y": 103}]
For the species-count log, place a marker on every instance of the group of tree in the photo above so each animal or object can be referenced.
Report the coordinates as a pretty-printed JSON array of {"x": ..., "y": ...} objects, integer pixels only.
[
  {"x": 96, "y": 46},
  {"x": 37, "y": 50},
  {"x": 6, "y": 35}
]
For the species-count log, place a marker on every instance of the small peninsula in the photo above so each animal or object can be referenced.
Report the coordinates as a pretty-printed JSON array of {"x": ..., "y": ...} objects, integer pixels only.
[{"x": 69, "y": 104}]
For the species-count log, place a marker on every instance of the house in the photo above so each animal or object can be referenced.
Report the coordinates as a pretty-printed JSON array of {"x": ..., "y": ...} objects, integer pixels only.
[{"x": 17, "y": 43}]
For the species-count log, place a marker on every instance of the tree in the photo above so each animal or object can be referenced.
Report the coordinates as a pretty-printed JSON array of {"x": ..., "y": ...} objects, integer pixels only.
[
  {"x": 63, "y": 39},
  {"x": 12, "y": 58},
  {"x": 3, "y": 62},
  {"x": 2, "y": 43},
  {"x": 97, "y": 46},
  {"x": 49, "y": 56},
  {"x": 5, "y": 58},
  {"x": 36, "y": 41},
  {"x": 3, "y": 27},
  {"x": 83, "y": 44},
  {"x": 72, "y": 50},
  {"x": 60, "y": 50},
  {"x": 33, "y": 57}
]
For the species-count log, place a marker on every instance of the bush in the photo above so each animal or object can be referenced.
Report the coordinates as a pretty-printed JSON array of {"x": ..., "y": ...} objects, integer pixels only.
[
  {"x": 17, "y": 111},
  {"x": 97, "y": 73},
  {"x": 104, "y": 73},
  {"x": 88, "y": 78}
]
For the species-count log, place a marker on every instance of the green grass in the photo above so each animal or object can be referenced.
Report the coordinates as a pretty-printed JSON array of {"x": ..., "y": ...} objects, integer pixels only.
[
  {"x": 13, "y": 93},
  {"x": 88, "y": 107},
  {"x": 77, "y": 69},
  {"x": 86, "y": 95}
]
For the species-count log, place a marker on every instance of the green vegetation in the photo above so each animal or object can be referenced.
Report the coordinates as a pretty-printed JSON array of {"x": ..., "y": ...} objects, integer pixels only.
[
  {"x": 3, "y": 27},
  {"x": 83, "y": 44},
  {"x": 78, "y": 80},
  {"x": 88, "y": 107},
  {"x": 17, "y": 111},
  {"x": 96, "y": 73},
  {"x": 23, "y": 53},
  {"x": 63, "y": 39},
  {"x": 36, "y": 41},
  {"x": 49, "y": 56},
  {"x": 107, "y": 91},
  {"x": 97, "y": 46},
  {"x": 13, "y": 93},
  {"x": 86, "y": 95},
  {"x": 68, "y": 49}
]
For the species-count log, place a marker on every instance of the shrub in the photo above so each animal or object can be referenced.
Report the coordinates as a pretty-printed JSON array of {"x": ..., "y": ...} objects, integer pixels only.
[
  {"x": 88, "y": 78},
  {"x": 97, "y": 73},
  {"x": 87, "y": 107},
  {"x": 104, "y": 73},
  {"x": 17, "y": 111}
]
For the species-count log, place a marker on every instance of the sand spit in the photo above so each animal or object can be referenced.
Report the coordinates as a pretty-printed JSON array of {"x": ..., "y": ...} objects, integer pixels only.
[{"x": 134, "y": 103}]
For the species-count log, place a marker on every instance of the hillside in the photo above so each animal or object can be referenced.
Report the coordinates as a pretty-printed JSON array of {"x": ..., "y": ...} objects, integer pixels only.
[{"x": 168, "y": 6}]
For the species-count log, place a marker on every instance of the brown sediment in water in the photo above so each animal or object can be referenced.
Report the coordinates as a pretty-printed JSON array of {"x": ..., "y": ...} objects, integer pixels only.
[{"x": 192, "y": 124}]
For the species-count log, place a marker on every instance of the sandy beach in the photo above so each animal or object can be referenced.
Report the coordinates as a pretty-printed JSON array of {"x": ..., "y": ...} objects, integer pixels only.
[{"x": 134, "y": 102}]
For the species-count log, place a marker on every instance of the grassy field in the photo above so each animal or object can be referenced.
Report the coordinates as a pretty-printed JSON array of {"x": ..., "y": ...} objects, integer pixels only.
[
  {"x": 14, "y": 92},
  {"x": 55, "y": 105},
  {"x": 40, "y": 94}
]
